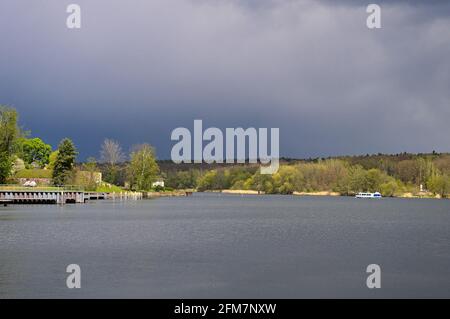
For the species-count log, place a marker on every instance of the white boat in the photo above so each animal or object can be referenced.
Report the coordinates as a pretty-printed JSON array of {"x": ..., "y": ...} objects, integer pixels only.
[{"x": 368, "y": 195}]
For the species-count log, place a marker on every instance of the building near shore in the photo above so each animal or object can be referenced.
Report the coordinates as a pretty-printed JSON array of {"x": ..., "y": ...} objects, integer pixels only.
[{"x": 158, "y": 183}]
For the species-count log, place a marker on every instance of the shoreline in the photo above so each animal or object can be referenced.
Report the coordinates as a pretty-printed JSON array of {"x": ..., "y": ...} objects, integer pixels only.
[{"x": 407, "y": 195}]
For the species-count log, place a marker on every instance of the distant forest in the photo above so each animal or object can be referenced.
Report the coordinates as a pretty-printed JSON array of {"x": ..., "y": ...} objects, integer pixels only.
[{"x": 392, "y": 175}]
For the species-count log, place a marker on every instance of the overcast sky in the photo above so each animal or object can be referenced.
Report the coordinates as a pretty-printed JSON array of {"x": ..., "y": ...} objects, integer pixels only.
[{"x": 138, "y": 69}]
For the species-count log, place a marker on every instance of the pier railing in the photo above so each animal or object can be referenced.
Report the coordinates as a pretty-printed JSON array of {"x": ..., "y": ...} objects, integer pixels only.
[
  {"x": 18, "y": 194},
  {"x": 65, "y": 188}
]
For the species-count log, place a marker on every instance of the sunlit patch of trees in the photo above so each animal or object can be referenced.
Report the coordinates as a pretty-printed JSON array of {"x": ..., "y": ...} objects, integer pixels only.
[{"x": 391, "y": 175}]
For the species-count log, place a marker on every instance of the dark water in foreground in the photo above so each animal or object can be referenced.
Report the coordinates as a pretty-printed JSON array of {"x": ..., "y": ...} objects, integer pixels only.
[{"x": 227, "y": 246}]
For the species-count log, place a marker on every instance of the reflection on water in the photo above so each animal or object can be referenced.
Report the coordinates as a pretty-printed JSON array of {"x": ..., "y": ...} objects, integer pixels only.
[{"x": 226, "y": 246}]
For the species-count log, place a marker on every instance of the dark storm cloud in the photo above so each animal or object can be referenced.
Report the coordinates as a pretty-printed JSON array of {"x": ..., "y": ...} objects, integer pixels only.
[{"x": 138, "y": 69}]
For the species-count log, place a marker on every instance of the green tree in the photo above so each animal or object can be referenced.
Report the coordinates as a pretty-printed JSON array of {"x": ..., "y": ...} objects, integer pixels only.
[
  {"x": 239, "y": 184},
  {"x": 9, "y": 132},
  {"x": 34, "y": 150},
  {"x": 64, "y": 163},
  {"x": 182, "y": 179},
  {"x": 439, "y": 184},
  {"x": 18, "y": 164},
  {"x": 89, "y": 171},
  {"x": 374, "y": 179},
  {"x": 5, "y": 166},
  {"x": 142, "y": 169},
  {"x": 52, "y": 159},
  {"x": 215, "y": 180},
  {"x": 240, "y": 174},
  {"x": 391, "y": 187},
  {"x": 258, "y": 182},
  {"x": 207, "y": 181},
  {"x": 357, "y": 180}
]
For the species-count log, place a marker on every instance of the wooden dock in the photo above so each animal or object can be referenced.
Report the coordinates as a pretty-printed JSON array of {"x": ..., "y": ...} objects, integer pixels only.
[
  {"x": 36, "y": 196},
  {"x": 95, "y": 196},
  {"x": 13, "y": 194}
]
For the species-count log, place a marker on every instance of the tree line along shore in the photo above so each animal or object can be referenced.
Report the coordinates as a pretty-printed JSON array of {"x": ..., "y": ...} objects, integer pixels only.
[
  {"x": 401, "y": 175},
  {"x": 23, "y": 157}
]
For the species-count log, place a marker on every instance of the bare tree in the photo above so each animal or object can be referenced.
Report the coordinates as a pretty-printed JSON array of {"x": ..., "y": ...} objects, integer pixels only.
[{"x": 111, "y": 152}]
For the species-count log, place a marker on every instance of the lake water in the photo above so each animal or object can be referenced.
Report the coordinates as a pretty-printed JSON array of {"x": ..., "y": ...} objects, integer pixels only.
[{"x": 227, "y": 246}]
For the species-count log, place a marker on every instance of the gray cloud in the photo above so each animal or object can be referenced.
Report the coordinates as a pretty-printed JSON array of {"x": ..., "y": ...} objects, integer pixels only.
[{"x": 138, "y": 69}]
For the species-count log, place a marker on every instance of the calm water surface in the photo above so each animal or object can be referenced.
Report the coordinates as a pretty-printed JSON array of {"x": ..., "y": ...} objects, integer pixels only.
[{"x": 227, "y": 246}]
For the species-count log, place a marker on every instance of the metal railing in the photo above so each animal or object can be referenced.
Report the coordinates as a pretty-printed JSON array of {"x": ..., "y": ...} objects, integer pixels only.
[{"x": 64, "y": 188}]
